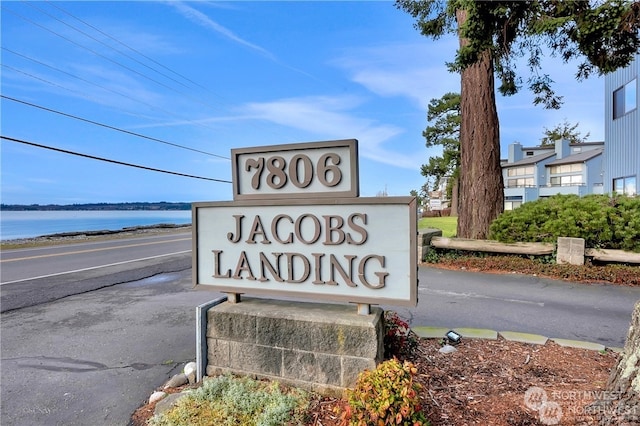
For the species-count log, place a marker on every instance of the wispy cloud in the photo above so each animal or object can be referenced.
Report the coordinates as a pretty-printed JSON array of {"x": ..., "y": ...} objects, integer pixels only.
[
  {"x": 203, "y": 20},
  {"x": 332, "y": 117},
  {"x": 410, "y": 70}
]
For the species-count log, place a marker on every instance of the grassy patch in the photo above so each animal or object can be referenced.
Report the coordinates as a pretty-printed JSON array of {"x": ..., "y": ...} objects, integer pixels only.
[
  {"x": 448, "y": 224},
  {"x": 227, "y": 400}
]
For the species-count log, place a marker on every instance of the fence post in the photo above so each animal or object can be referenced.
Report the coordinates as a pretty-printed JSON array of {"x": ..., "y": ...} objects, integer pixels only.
[
  {"x": 424, "y": 241},
  {"x": 570, "y": 250}
]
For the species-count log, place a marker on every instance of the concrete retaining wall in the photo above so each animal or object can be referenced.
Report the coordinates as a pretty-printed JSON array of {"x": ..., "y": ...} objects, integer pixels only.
[{"x": 316, "y": 346}]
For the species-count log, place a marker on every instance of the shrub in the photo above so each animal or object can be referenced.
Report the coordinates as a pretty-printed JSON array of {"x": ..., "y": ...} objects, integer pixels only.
[
  {"x": 399, "y": 340},
  {"x": 226, "y": 400},
  {"x": 387, "y": 395},
  {"x": 603, "y": 221}
]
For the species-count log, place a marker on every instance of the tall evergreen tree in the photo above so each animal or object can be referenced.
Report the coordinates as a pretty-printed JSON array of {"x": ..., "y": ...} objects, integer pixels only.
[
  {"x": 492, "y": 35},
  {"x": 444, "y": 116}
]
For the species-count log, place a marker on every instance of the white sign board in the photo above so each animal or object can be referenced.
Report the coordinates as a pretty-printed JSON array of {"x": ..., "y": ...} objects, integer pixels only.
[
  {"x": 360, "y": 250},
  {"x": 313, "y": 169}
]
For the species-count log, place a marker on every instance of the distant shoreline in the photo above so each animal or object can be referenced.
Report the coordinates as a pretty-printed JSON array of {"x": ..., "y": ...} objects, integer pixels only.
[{"x": 134, "y": 206}]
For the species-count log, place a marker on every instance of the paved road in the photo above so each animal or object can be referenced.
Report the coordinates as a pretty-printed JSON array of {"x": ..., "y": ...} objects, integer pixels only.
[
  {"x": 95, "y": 354},
  {"x": 512, "y": 302},
  {"x": 94, "y": 357},
  {"x": 41, "y": 262}
]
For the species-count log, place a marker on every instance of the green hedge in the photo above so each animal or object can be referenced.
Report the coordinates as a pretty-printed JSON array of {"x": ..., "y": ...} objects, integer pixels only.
[{"x": 603, "y": 221}]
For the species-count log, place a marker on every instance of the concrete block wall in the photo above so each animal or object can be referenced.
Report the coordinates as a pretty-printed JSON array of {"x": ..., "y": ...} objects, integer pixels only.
[
  {"x": 317, "y": 346},
  {"x": 424, "y": 241}
]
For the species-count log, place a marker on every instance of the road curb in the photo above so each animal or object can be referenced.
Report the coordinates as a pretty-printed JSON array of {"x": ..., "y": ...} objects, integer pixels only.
[
  {"x": 430, "y": 332},
  {"x": 514, "y": 336}
]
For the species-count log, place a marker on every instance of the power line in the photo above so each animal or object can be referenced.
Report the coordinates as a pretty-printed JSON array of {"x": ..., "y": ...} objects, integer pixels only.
[
  {"x": 106, "y": 57},
  {"x": 127, "y": 46},
  {"x": 102, "y": 43},
  {"x": 93, "y": 157},
  {"x": 91, "y": 83},
  {"x": 111, "y": 127},
  {"x": 218, "y": 106}
]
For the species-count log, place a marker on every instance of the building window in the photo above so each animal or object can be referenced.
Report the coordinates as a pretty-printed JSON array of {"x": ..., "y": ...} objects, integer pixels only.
[
  {"x": 520, "y": 171},
  {"x": 512, "y": 205},
  {"x": 566, "y": 168},
  {"x": 520, "y": 182},
  {"x": 626, "y": 185},
  {"x": 567, "y": 180},
  {"x": 512, "y": 202},
  {"x": 566, "y": 174},
  {"x": 625, "y": 99}
]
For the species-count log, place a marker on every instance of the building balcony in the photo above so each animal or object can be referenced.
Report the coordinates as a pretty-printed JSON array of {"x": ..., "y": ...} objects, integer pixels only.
[{"x": 577, "y": 189}]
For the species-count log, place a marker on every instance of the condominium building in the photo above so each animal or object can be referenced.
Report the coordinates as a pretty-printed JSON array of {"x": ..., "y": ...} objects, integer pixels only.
[
  {"x": 622, "y": 130},
  {"x": 542, "y": 171},
  {"x": 584, "y": 168}
]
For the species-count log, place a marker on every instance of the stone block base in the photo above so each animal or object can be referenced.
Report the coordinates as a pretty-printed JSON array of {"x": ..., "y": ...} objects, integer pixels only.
[{"x": 317, "y": 346}]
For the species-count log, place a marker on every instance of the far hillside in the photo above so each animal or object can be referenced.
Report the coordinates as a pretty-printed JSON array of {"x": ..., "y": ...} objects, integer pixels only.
[{"x": 162, "y": 205}]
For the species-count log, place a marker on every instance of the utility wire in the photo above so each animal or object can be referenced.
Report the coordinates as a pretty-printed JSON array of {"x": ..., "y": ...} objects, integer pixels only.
[
  {"x": 102, "y": 56},
  {"x": 106, "y": 57},
  {"x": 103, "y": 43},
  {"x": 111, "y": 127},
  {"x": 127, "y": 46},
  {"x": 91, "y": 83},
  {"x": 109, "y": 160}
]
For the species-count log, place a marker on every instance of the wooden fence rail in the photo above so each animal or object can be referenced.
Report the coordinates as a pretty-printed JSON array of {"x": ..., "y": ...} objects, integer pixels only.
[{"x": 534, "y": 249}]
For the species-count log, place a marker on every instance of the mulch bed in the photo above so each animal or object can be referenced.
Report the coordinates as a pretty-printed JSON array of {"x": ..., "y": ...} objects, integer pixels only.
[{"x": 492, "y": 382}]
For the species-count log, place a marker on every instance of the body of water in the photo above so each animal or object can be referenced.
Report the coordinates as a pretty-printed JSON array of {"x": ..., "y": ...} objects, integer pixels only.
[{"x": 29, "y": 224}]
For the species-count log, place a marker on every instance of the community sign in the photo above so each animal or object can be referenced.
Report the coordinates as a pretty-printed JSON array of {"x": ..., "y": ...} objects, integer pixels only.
[{"x": 287, "y": 242}]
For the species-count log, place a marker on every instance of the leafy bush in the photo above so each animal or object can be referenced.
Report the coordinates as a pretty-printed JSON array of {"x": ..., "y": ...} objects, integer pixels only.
[
  {"x": 226, "y": 400},
  {"x": 603, "y": 221},
  {"x": 399, "y": 340},
  {"x": 387, "y": 395}
]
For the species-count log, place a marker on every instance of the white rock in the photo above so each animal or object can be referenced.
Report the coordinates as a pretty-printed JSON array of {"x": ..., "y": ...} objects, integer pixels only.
[
  {"x": 177, "y": 380},
  {"x": 447, "y": 349},
  {"x": 156, "y": 396},
  {"x": 189, "y": 368}
]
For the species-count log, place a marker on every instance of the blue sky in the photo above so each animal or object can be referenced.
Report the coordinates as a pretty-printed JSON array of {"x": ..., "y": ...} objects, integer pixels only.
[{"x": 212, "y": 76}]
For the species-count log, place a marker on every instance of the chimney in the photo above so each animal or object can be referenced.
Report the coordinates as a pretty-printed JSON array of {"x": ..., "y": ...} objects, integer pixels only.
[
  {"x": 562, "y": 149},
  {"x": 515, "y": 152}
]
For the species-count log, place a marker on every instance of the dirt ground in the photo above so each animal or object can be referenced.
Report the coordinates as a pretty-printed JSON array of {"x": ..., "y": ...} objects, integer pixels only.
[{"x": 493, "y": 382}]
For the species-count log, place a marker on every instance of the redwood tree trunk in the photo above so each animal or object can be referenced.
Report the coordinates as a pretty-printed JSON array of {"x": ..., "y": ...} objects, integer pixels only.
[
  {"x": 621, "y": 405},
  {"x": 481, "y": 186}
]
